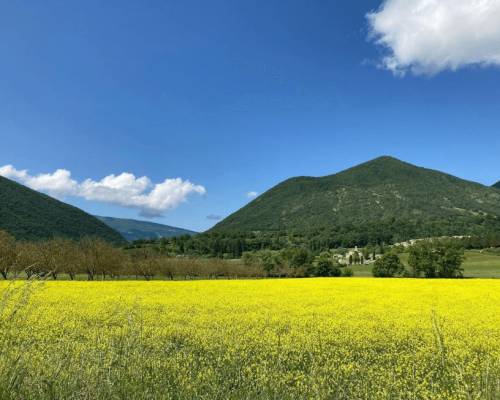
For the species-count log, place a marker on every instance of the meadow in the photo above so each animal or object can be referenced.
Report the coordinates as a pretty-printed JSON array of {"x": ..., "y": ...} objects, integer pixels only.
[
  {"x": 324, "y": 338},
  {"x": 477, "y": 264}
]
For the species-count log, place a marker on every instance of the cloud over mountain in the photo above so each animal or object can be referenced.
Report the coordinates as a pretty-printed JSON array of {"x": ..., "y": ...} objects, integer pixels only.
[
  {"x": 430, "y": 36},
  {"x": 125, "y": 189}
]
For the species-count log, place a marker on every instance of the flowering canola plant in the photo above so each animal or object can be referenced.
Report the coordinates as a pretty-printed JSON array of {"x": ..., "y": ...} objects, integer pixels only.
[{"x": 251, "y": 339}]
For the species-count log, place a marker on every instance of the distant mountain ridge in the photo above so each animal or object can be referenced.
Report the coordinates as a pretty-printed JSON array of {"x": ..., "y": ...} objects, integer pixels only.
[
  {"x": 132, "y": 229},
  {"x": 497, "y": 185},
  {"x": 384, "y": 193},
  {"x": 30, "y": 215}
]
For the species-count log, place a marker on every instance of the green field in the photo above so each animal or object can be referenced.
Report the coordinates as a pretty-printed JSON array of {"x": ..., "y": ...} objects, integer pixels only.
[{"x": 476, "y": 265}]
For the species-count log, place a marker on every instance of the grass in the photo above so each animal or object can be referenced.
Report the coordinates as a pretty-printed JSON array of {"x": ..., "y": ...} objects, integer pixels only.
[
  {"x": 251, "y": 339},
  {"x": 482, "y": 264},
  {"x": 476, "y": 265}
]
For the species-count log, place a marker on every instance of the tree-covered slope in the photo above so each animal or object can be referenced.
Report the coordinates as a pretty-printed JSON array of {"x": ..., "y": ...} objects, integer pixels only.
[
  {"x": 497, "y": 185},
  {"x": 31, "y": 215},
  {"x": 385, "y": 192},
  {"x": 132, "y": 229}
]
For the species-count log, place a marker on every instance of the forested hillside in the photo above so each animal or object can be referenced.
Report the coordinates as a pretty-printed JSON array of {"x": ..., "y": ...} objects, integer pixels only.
[
  {"x": 382, "y": 198},
  {"x": 31, "y": 215}
]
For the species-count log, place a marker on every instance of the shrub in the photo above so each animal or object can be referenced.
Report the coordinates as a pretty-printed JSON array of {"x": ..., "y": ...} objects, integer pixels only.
[
  {"x": 325, "y": 266},
  {"x": 387, "y": 266}
]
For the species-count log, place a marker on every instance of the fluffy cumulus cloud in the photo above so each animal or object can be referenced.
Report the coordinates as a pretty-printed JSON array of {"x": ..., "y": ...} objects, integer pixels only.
[
  {"x": 252, "y": 195},
  {"x": 124, "y": 190},
  {"x": 430, "y": 36}
]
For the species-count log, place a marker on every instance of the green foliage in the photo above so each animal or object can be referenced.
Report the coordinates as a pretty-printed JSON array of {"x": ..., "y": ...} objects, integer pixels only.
[
  {"x": 437, "y": 259},
  {"x": 297, "y": 257},
  {"x": 497, "y": 185},
  {"x": 325, "y": 266},
  {"x": 389, "y": 265},
  {"x": 132, "y": 229},
  {"x": 268, "y": 261},
  {"x": 384, "y": 200},
  {"x": 30, "y": 215}
]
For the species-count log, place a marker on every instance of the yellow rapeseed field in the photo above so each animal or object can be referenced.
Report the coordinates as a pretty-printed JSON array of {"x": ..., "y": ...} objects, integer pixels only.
[{"x": 261, "y": 339}]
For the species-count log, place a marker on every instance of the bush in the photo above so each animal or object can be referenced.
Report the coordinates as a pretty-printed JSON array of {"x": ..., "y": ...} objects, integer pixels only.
[
  {"x": 297, "y": 257},
  {"x": 347, "y": 272},
  {"x": 326, "y": 266},
  {"x": 437, "y": 259},
  {"x": 387, "y": 266}
]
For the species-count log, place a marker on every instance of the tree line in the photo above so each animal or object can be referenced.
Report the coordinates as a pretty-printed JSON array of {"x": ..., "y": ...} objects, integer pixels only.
[
  {"x": 426, "y": 258},
  {"x": 93, "y": 258},
  {"x": 232, "y": 245}
]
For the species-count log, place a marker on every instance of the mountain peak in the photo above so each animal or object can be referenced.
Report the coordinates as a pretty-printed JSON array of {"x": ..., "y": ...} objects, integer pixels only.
[
  {"x": 363, "y": 200},
  {"x": 386, "y": 159},
  {"x": 383, "y": 162}
]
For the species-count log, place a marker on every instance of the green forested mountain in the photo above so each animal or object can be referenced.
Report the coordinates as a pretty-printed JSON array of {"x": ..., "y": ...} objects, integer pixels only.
[
  {"x": 497, "y": 185},
  {"x": 132, "y": 229},
  {"x": 378, "y": 199},
  {"x": 31, "y": 215}
]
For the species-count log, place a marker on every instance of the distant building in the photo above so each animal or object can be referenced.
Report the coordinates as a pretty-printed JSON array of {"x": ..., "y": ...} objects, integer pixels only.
[{"x": 353, "y": 257}]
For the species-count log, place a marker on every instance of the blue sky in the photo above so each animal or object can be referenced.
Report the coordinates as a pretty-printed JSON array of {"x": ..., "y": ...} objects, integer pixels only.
[{"x": 233, "y": 97}]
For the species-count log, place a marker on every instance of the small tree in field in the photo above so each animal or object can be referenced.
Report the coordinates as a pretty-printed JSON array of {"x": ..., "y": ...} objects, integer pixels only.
[
  {"x": 8, "y": 253},
  {"x": 450, "y": 256},
  {"x": 268, "y": 261},
  {"x": 28, "y": 259},
  {"x": 65, "y": 257},
  {"x": 99, "y": 257},
  {"x": 47, "y": 254},
  {"x": 326, "y": 266},
  {"x": 437, "y": 259},
  {"x": 421, "y": 259},
  {"x": 297, "y": 257},
  {"x": 387, "y": 266},
  {"x": 145, "y": 263}
]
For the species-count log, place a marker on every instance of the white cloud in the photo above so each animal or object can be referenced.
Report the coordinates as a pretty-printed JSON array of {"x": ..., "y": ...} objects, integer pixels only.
[
  {"x": 430, "y": 36},
  {"x": 123, "y": 190},
  {"x": 57, "y": 184},
  {"x": 252, "y": 195},
  {"x": 10, "y": 172}
]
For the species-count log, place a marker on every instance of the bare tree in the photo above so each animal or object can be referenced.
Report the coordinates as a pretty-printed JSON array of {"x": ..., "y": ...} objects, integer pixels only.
[
  {"x": 145, "y": 263},
  {"x": 61, "y": 256},
  {"x": 28, "y": 258},
  {"x": 8, "y": 253},
  {"x": 99, "y": 257}
]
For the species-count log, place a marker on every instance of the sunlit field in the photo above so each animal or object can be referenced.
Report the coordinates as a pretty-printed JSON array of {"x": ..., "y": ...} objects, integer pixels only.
[
  {"x": 476, "y": 265},
  {"x": 261, "y": 339}
]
